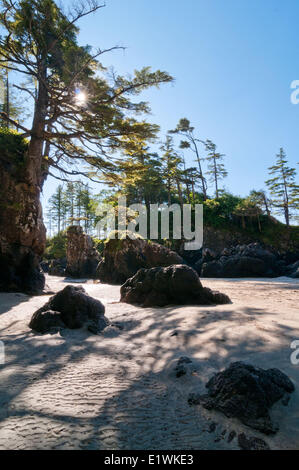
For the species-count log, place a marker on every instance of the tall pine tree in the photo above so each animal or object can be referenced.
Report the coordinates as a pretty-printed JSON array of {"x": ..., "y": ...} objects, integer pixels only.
[{"x": 283, "y": 188}]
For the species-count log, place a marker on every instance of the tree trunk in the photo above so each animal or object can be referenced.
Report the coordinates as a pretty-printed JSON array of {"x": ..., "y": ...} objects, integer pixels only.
[
  {"x": 22, "y": 233},
  {"x": 203, "y": 182}
]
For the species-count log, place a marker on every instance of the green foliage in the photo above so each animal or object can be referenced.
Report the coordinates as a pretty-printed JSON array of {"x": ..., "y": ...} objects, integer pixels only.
[
  {"x": 190, "y": 141},
  {"x": 99, "y": 245},
  {"x": 219, "y": 212},
  {"x": 39, "y": 40},
  {"x": 13, "y": 146},
  {"x": 216, "y": 168},
  {"x": 56, "y": 246}
]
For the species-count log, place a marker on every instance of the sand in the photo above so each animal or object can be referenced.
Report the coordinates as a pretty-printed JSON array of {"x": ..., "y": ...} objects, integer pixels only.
[{"x": 118, "y": 390}]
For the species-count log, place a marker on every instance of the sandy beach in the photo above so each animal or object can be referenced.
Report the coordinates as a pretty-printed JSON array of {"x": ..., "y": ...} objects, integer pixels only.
[{"x": 118, "y": 390}]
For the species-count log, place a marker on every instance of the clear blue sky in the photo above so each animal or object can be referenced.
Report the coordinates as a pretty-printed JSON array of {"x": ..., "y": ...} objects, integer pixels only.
[{"x": 233, "y": 63}]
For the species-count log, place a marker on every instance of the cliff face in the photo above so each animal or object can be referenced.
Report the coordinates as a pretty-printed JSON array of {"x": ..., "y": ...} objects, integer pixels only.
[
  {"x": 82, "y": 256},
  {"x": 22, "y": 233}
]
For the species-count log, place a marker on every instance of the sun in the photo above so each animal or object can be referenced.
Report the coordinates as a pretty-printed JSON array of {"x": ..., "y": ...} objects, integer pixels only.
[{"x": 80, "y": 97}]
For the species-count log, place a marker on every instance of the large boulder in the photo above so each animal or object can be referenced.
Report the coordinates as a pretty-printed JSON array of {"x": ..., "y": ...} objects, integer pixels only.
[
  {"x": 123, "y": 258},
  {"x": 82, "y": 256},
  {"x": 22, "y": 233},
  {"x": 176, "y": 284},
  {"x": 72, "y": 308},
  {"x": 247, "y": 393},
  {"x": 241, "y": 261}
]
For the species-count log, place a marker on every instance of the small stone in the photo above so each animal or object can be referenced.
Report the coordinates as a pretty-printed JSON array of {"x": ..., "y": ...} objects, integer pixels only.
[
  {"x": 212, "y": 427},
  {"x": 183, "y": 366},
  {"x": 194, "y": 399},
  {"x": 231, "y": 436},
  {"x": 252, "y": 443}
]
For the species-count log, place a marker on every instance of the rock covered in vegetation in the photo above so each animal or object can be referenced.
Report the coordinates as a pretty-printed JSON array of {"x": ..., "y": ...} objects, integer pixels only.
[
  {"x": 22, "y": 233},
  {"x": 82, "y": 256},
  {"x": 247, "y": 393},
  {"x": 123, "y": 258},
  {"x": 176, "y": 284},
  {"x": 70, "y": 308}
]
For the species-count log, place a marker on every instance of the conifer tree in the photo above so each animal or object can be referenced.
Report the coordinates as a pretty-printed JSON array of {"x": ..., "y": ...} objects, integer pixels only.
[
  {"x": 262, "y": 200},
  {"x": 172, "y": 170},
  {"x": 185, "y": 130},
  {"x": 57, "y": 208},
  {"x": 283, "y": 188},
  {"x": 216, "y": 168}
]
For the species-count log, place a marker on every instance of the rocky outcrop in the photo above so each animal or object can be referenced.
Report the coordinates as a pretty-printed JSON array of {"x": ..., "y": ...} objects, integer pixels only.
[
  {"x": 71, "y": 308},
  {"x": 176, "y": 285},
  {"x": 247, "y": 393},
  {"x": 123, "y": 258},
  {"x": 22, "y": 233},
  {"x": 57, "y": 267},
  {"x": 241, "y": 261},
  {"x": 82, "y": 256}
]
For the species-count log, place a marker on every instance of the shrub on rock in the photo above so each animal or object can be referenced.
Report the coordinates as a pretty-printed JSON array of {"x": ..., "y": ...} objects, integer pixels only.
[
  {"x": 176, "y": 284},
  {"x": 247, "y": 393},
  {"x": 74, "y": 308}
]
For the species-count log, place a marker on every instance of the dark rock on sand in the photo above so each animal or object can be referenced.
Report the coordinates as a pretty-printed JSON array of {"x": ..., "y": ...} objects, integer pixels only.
[
  {"x": 44, "y": 265},
  {"x": 251, "y": 260},
  {"x": 176, "y": 285},
  {"x": 293, "y": 270},
  {"x": 75, "y": 309},
  {"x": 252, "y": 443},
  {"x": 57, "y": 267},
  {"x": 247, "y": 393},
  {"x": 122, "y": 259},
  {"x": 184, "y": 365},
  {"x": 47, "y": 322},
  {"x": 231, "y": 436}
]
